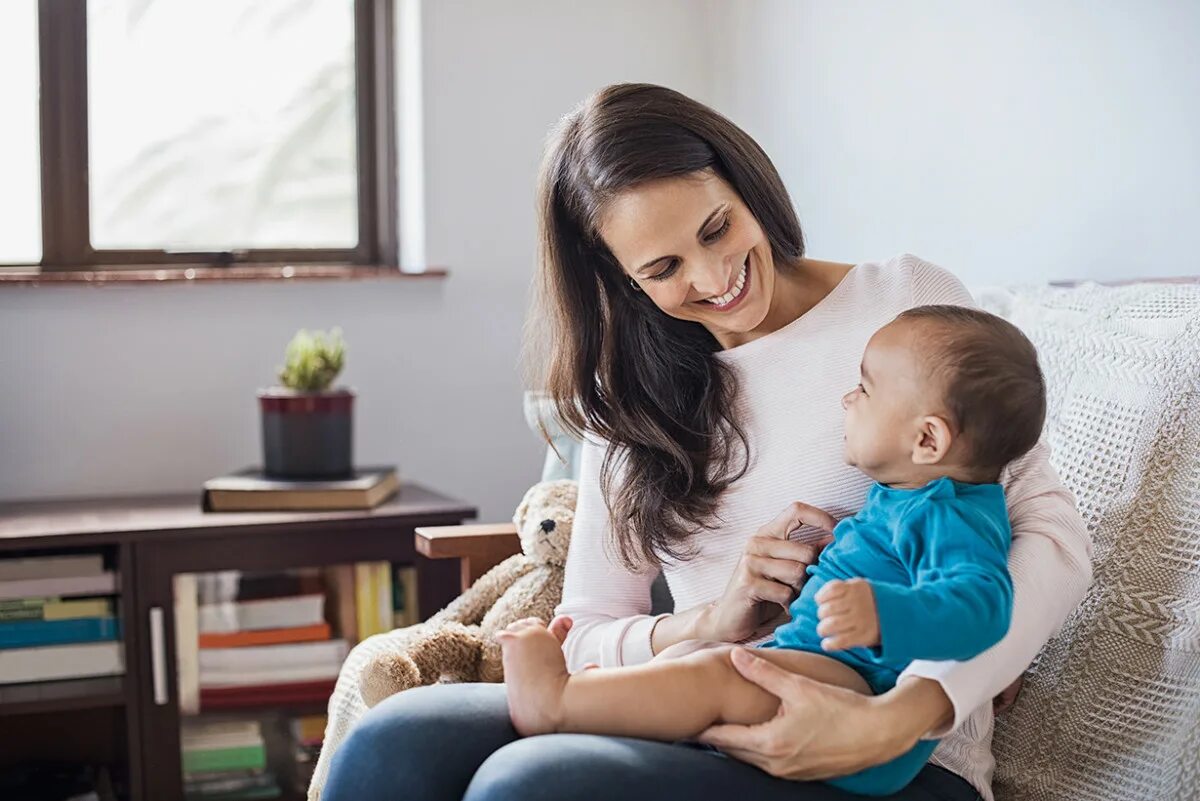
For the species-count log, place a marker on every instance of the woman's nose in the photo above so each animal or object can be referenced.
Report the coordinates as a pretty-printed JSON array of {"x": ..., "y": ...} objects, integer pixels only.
[{"x": 710, "y": 280}]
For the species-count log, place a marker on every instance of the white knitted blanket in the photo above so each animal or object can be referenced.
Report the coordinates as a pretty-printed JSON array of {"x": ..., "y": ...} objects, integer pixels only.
[
  {"x": 1111, "y": 707},
  {"x": 346, "y": 704}
]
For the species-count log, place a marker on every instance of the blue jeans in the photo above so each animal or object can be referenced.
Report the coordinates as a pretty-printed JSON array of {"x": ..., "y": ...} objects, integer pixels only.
[{"x": 454, "y": 741}]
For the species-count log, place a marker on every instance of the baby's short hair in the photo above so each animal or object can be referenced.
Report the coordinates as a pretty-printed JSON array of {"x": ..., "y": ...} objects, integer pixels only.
[{"x": 988, "y": 371}]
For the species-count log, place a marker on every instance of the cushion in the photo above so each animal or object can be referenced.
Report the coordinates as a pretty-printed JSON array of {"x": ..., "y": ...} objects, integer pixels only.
[{"x": 1111, "y": 707}]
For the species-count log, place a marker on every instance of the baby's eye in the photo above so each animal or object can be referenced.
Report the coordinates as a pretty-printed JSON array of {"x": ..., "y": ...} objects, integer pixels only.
[{"x": 862, "y": 389}]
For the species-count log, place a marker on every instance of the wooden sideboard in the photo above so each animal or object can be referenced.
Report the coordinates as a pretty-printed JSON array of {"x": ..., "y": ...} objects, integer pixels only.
[{"x": 132, "y": 722}]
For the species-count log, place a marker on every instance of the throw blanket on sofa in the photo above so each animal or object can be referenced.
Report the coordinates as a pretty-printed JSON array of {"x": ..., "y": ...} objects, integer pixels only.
[{"x": 1111, "y": 707}]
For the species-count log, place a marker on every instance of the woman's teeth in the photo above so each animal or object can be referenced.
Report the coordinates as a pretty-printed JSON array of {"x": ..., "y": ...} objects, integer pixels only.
[{"x": 737, "y": 288}]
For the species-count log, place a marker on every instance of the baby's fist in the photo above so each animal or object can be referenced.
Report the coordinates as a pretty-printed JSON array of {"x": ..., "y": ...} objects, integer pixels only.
[{"x": 847, "y": 613}]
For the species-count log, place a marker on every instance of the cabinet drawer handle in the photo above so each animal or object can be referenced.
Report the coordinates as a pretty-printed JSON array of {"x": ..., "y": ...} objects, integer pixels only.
[{"x": 158, "y": 655}]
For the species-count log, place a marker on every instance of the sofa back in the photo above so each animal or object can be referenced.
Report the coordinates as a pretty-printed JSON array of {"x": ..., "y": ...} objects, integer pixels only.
[{"x": 1111, "y": 707}]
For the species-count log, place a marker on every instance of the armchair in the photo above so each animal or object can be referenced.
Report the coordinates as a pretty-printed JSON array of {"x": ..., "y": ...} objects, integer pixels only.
[{"x": 1110, "y": 705}]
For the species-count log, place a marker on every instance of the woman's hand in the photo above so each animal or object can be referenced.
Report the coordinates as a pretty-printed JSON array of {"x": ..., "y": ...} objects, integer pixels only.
[
  {"x": 823, "y": 731},
  {"x": 768, "y": 576}
]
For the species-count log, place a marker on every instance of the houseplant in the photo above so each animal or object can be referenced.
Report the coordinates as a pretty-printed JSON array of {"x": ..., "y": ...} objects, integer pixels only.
[{"x": 307, "y": 426}]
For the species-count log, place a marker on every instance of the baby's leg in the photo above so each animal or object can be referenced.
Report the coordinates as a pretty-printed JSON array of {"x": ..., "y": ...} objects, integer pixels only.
[{"x": 666, "y": 699}]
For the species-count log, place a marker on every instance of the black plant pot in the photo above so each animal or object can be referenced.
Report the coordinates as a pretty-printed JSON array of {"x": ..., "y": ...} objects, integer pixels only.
[{"x": 307, "y": 435}]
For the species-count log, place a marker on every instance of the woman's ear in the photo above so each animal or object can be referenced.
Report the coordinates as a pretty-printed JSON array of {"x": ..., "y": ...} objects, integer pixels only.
[{"x": 933, "y": 441}]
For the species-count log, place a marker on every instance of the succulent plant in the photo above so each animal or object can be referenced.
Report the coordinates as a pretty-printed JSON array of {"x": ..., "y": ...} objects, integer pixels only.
[{"x": 313, "y": 360}]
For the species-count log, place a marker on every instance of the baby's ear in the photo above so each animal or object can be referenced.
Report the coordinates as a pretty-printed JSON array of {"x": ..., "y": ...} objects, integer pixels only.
[{"x": 933, "y": 440}]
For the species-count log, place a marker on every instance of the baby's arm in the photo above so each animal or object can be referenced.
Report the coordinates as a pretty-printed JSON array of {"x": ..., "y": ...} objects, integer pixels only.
[
  {"x": 960, "y": 601},
  {"x": 673, "y": 697}
]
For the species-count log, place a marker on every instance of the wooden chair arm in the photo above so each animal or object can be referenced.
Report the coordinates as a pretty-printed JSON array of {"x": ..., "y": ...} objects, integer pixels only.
[{"x": 478, "y": 547}]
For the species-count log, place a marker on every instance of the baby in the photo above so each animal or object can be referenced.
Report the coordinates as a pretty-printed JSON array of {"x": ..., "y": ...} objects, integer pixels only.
[{"x": 947, "y": 397}]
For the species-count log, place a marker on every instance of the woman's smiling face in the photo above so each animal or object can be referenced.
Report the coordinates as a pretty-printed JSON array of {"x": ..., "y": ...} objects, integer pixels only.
[{"x": 694, "y": 248}]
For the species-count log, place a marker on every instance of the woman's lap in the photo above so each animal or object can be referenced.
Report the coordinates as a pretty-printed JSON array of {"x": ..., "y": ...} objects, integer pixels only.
[{"x": 452, "y": 742}]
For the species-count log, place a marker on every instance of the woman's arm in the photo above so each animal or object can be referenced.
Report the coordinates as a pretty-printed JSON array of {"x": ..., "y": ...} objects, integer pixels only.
[
  {"x": 1051, "y": 567},
  {"x": 823, "y": 731},
  {"x": 609, "y": 606}
]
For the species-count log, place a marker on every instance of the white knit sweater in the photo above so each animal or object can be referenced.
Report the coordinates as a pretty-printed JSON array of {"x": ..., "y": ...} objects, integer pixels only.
[{"x": 789, "y": 401}]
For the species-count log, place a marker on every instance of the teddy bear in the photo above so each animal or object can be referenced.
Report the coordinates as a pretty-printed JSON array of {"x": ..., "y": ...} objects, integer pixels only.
[{"x": 457, "y": 643}]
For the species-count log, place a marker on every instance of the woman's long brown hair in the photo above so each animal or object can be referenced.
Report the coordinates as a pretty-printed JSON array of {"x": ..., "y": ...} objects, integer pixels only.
[{"x": 614, "y": 365}]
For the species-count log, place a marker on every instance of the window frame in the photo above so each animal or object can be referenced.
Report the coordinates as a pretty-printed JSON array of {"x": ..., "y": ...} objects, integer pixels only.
[{"x": 63, "y": 120}]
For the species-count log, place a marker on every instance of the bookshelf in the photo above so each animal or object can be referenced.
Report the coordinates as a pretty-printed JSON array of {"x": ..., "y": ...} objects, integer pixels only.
[{"x": 132, "y": 722}]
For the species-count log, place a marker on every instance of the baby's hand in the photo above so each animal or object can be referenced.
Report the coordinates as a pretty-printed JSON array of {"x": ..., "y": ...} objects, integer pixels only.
[{"x": 847, "y": 613}]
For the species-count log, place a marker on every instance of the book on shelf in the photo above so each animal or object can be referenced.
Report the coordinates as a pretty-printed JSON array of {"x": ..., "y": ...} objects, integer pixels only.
[
  {"x": 187, "y": 641},
  {"x": 294, "y": 693},
  {"x": 404, "y": 596},
  {"x": 258, "y": 586},
  {"x": 307, "y": 737},
  {"x": 281, "y": 650},
  {"x": 250, "y": 490},
  {"x": 266, "y": 613},
  {"x": 341, "y": 605},
  {"x": 241, "y": 639},
  {"x": 271, "y": 664},
  {"x": 223, "y": 746},
  {"x": 48, "y": 567},
  {"x": 34, "y": 633},
  {"x": 52, "y": 662},
  {"x": 104, "y": 583},
  {"x": 246, "y": 757},
  {"x": 373, "y": 595},
  {"x": 211, "y": 734},
  {"x": 225, "y": 760},
  {"x": 308, "y": 729},
  {"x": 54, "y": 608},
  {"x": 265, "y": 657}
]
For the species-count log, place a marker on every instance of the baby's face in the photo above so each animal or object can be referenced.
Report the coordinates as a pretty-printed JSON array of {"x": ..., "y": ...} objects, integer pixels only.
[{"x": 884, "y": 412}]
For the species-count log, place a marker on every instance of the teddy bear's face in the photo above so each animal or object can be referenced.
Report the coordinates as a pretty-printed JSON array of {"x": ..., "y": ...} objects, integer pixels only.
[{"x": 544, "y": 520}]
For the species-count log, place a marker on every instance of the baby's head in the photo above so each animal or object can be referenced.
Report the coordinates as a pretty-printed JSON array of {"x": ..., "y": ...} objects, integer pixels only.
[{"x": 945, "y": 391}]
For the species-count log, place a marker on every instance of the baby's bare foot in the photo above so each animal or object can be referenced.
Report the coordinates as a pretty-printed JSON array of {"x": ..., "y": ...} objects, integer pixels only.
[{"x": 535, "y": 676}]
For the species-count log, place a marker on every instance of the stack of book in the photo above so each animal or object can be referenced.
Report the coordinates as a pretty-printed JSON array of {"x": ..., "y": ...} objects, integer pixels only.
[
  {"x": 307, "y": 735},
  {"x": 226, "y": 760},
  {"x": 251, "y": 490},
  {"x": 268, "y": 644},
  {"x": 58, "y": 619}
]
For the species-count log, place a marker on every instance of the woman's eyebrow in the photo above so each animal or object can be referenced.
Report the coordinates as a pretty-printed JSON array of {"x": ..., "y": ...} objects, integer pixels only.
[{"x": 699, "y": 233}]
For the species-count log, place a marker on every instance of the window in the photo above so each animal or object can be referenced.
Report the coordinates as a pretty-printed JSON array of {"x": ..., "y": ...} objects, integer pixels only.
[
  {"x": 199, "y": 132},
  {"x": 20, "y": 192}
]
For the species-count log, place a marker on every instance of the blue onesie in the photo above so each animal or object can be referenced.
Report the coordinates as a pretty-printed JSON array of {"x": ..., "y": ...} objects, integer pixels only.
[{"x": 937, "y": 560}]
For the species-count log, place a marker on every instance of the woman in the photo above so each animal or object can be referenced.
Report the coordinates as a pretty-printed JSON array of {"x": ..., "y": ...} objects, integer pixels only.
[{"x": 704, "y": 358}]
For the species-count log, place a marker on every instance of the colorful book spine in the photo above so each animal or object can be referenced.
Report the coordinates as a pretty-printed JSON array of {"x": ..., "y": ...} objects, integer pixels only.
[
  {"x": 364, "y": 595},
  {"x": 101, "y": 584},
  {"x": 306, "y": 692},
  {"x": 43, "y": 567},
  {"x": 35, "y": 633},
  {"x": 20, "y": 665},
  {"x": 250, "y": 757},
  {"x": 243, "y": 639},
  {"x": 54, "y": 609}
]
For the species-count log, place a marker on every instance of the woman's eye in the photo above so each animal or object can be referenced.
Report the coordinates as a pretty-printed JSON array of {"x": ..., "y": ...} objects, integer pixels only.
[
  {"x": 720, "y": 232},
  {"x": 672, "y": 265}
]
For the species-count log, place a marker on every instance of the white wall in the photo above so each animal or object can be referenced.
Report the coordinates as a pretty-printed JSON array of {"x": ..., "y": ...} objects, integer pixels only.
[
  {"x": 126, "y": 390},
  {"x": 1007, "y": 141}
]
